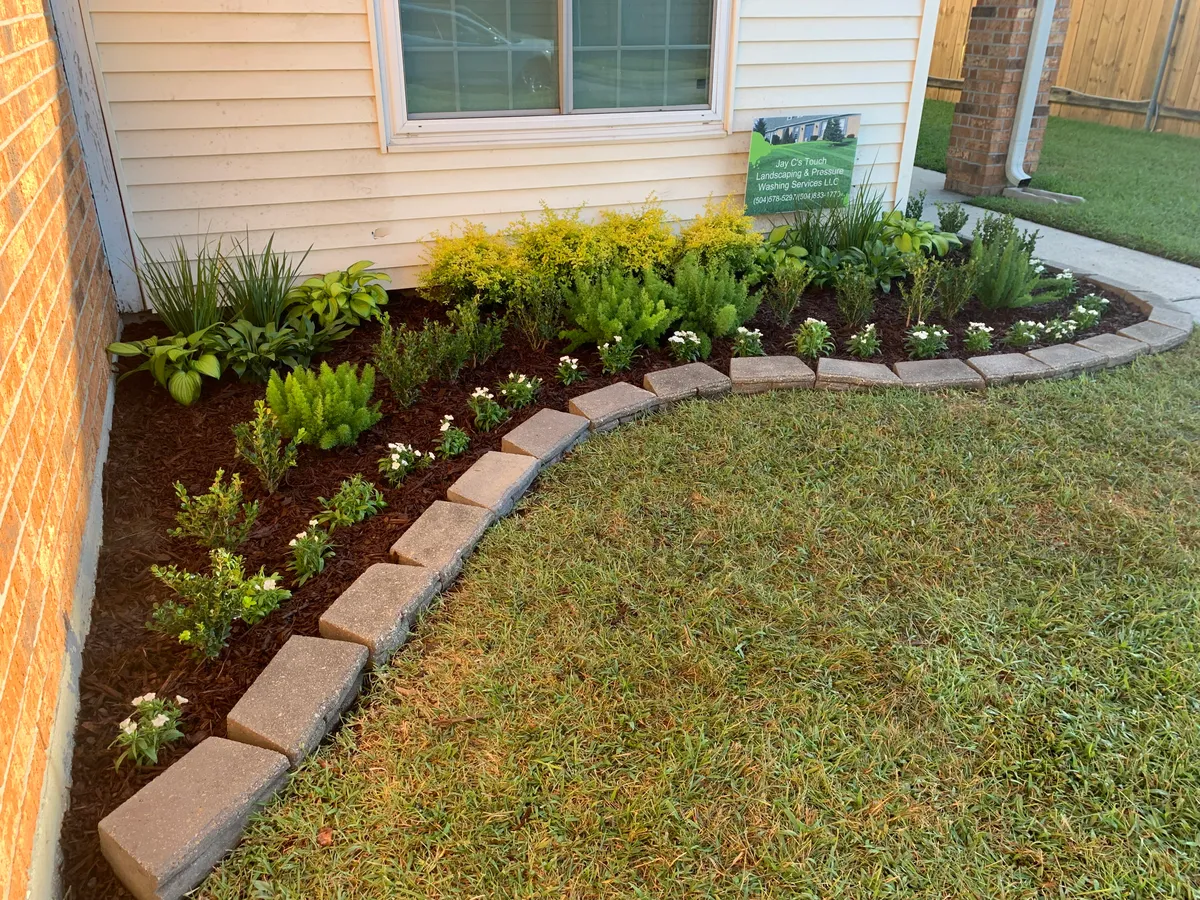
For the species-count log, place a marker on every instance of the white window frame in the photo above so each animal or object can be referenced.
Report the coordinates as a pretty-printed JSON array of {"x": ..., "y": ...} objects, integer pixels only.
[{"x": 398, "y": 132}]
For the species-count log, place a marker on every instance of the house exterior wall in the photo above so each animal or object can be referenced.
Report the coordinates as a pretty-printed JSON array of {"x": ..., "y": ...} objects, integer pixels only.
[
  {"x": 57, "y": 313},
  {"x": 264, "y": 115}
]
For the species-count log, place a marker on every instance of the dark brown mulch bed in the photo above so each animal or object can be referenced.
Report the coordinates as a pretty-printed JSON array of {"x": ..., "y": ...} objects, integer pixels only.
[{"x": 156, "y": 442}]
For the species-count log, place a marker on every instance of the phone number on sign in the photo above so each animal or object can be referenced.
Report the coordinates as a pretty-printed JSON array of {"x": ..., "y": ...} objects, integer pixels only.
[{"x": 794, "y": 198}]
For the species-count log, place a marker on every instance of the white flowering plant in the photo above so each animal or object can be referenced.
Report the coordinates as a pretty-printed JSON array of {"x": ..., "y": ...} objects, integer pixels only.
[
  {"x": 685, "y": 346},
  {"x": 310, "y": 549},
  {"x": 813, "y": 339},
  {"x": 569, "y": 371},
  {"x": 153, "y": 724},
  {"x": 453, "y": 441},
  {"x": 747, "y": 342},
  {"x": 1024, "y": 333},
  {"x": 1095, "y": 303},
  {"x": 1060, "y": 329},
  {"x": 926, "y": 341},
  {"x": 978, "y": 338},
  {"x": 519, "y": 390},
  {"x": 400, "y": 460},
  {"x": 865, "y": 343},
  {"x": 1067, "y": 282},
  {"x": 616, "y": 355},
  {"x": 488, "y": 413},
  {"x": 1038, "y": 267},
  {"x": 1089, "y": 311},
  {"x": 356, "y": 499},
  {"x": 209, "y": 604}
]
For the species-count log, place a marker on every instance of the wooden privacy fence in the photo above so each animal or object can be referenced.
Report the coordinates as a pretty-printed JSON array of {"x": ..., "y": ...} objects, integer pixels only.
[{"x": 1110, "y": 62}]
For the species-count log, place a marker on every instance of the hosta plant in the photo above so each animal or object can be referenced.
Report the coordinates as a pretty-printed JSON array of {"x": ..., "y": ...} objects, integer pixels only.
[
  {"x": 616, "y": 355},
  {"x": 977, "y": 338},
  {"x": 453, "y": 440},
  {"x": 177, "y": 363},
  {"x": 260, "y": 443},
  {"x": 217, "y": 518},
  {"x": 347, "y": 297},
  {"x": 747, "y": 342},
  {"x": 208, "y": 605},
  {"x": 909, "y": 234},
  {"x": 569, "y": 370},
  {"x": 926, "y": 341},
  {"x": 400, "y": 460},
  {"x": 254, "y": 351},
  {"x": 519, "y": 390},
  {"x": 685, "y": 346},
  {"x": 488, "y": 413},
  {"x": 356, "y": 499},
  {"x": 153, "y": 724},
  {"x": 1024, "y": 333},
  {"x": 864, "y": 343},
  {"x": 326, "y": 408},
  {"x": 310, "y": 549},
  {"x": 813, "y": 339}
]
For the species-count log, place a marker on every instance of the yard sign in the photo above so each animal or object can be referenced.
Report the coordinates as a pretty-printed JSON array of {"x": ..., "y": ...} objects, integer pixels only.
[{"x": 801, "y": 162}]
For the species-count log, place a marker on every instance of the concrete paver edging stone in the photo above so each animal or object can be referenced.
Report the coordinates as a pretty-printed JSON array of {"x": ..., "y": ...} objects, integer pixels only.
[{"x": 163, "y": 841}]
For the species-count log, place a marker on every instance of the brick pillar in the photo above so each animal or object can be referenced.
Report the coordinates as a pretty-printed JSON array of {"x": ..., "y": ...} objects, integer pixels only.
[{"x": 997, "y": 44}]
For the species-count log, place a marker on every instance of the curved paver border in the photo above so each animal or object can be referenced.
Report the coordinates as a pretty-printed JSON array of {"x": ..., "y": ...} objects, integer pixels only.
[{"x": 181, "y": 805}]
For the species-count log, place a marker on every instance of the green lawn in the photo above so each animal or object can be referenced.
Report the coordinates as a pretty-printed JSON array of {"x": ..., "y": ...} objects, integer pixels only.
[
  {"x": 808, "y": 645},
  {"x": 1142, "y": 190}
]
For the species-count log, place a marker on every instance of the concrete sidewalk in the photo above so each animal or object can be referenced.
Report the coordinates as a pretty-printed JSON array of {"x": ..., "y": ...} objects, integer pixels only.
[{"x": 1172, "y": 281}]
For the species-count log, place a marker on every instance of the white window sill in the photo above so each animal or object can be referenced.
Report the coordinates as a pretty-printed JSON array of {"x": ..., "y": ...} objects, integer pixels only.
[{"x": 553, "y": 131}]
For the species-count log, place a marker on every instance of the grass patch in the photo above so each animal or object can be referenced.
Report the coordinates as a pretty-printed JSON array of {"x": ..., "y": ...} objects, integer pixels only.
[
  {"x": 798, "y": 646},
  {"x": 1142, "y": 191}
]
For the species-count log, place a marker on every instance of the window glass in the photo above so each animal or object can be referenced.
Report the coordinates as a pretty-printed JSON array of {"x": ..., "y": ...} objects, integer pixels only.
[
  {"x": 636, "y": 54},
  {"x": 480, "y": 56}
]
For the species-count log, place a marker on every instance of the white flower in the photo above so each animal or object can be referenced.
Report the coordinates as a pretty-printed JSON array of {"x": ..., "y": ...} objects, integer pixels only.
[
  {"x": 302, "y": 535},
  {"x": 444, "y": 427},
  {"x": 128, "y": 727},
  {"x": 395, "y": 465},
  {"x": 292, "y": 542},
  {"x": 617, "y": 339},
  {"x": 182, "y": 701},
  {"x": 146, "y": 698},
  {"x": 565, "y": 359},
  {"x": 159, "y": 721},
  {"x": 812, "y": 321},
  {"x": 920, "y": 335},
  {"x": 268, "y": 584},
  {"x": 431, "y": 457},
  {"x": 312, "y": 522}
]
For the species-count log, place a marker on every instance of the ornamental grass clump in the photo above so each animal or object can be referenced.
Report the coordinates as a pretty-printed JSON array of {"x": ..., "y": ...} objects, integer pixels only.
[
  {"x": 685, "y": 346},
  {"x": 488, "y": 413},
  {"x": 260, "y": 443},
  {"x": 217, "y": 519},
  {"x": 453, "y": 440},
  {"x": 327, "y": 408},
  {"x": 813, "y": 339},
  {"x": 926, "y": 341},
  {"x": 310, "y": 550},
  {"x": 209, "y": 604},
  {"x": 519, "y": 391},
  {"x": 355, "y": 501},
  {"x": 569, "y": 371},
  {"x": 400, "y": 460},
  {"x": 748, "y": 342},
  {"x": 153, "y": 724},
  {"x": 616, "y": 356},
  {"x": 865, "y": 343},
  {"x": 978, "y": 338}
]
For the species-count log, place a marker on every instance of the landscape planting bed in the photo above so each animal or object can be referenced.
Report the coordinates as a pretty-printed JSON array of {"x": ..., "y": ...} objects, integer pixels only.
[{"x": 156, "y": 442}]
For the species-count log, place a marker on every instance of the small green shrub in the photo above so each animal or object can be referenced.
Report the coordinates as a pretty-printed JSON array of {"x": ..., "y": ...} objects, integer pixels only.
[
  {"x": 260, "y": 443},
  {"x": 398, "y": 357},
  {"x": 952, "y": 217},
  {"x": 813, "y": 339},
  {"x": 471, "y": 265},
  {"x": 345, "y": 298},
  {"x": 153, "y": 724},
  {"x": 475, "y": 339},
  {"x": 722, "y": 236},
  {"x": 210, "y": 604},
  {"x": 538, "y": 311},
  {"x": 955, "y": 286},
  {"x": 709, "y": 301},
  {"x": 855, "y": 295},
  {"x": 218, "y": 518},
  {"x": 919, "y": 295},
  {"x": 865, "y": 343},
  {"x": 329, "y": 409},
  {"x": 747, "y": 342},
  {"x": 787, "y": 286},
  {"x": 311, "y": 549},
  {"x": 356, "y": 500},
  {"x": 619, "y": 305},
  {"x": 555, "y": 248},
  {"x": 914, "y": 208}
]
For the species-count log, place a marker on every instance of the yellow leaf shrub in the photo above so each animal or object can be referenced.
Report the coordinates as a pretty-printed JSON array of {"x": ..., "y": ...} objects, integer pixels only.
[
  {"x": 723, "y": 234},
  {"x": 471, "y": 264},
  {"x": 639, "y": 240}
]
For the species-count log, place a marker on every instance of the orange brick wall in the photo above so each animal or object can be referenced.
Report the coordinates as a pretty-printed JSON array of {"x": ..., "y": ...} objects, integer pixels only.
[{"x": 57, "y": 313}]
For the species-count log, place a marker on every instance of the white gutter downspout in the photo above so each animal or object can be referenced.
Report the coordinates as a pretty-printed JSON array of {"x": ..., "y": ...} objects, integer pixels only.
[{"x": 1031, "y": 80}]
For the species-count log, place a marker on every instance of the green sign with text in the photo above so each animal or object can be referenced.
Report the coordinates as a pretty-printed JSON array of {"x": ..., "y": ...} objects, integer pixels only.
[{"x": 801, "y": 162}]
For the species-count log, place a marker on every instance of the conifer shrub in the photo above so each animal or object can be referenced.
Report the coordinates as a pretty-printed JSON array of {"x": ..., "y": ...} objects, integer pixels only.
[{"x": 326, "y": 408}]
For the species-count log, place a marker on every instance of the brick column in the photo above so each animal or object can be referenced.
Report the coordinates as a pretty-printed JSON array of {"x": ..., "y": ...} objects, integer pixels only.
[{"x": 997, "y": 44}]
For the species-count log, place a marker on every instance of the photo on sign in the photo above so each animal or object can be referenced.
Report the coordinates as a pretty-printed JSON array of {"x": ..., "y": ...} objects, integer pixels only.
[{"x": 801, "y": 162}]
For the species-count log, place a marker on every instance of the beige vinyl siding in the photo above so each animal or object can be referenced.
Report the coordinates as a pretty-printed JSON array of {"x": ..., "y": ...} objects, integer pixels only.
[{"x": 231, "y": 115}]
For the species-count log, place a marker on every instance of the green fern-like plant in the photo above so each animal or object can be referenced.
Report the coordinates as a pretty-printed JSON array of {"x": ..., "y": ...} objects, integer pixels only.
[
  {"x": 710, "y": 301},
  {"x": 636, "y": 309},
  {"x": 326, "y": 408},
  {"x": 1004, "y": 279}
]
